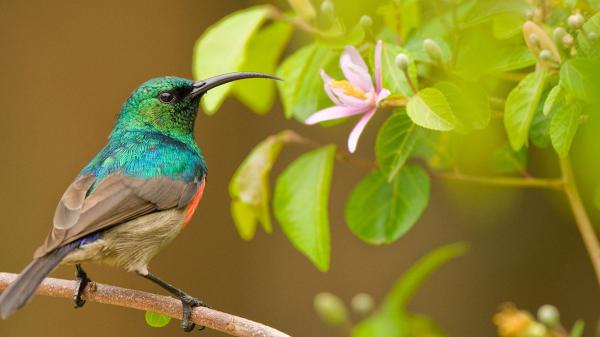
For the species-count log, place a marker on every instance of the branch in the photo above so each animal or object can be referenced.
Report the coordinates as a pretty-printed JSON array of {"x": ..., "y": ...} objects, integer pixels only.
[
  {"x": 553, "y": 184},
  {"x": 135, "y": 299},
  {"x": 586, "y": 229}
]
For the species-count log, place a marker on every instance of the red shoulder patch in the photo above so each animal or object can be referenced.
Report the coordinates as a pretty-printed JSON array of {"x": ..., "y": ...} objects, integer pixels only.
[{"x": 191, "y": 208}]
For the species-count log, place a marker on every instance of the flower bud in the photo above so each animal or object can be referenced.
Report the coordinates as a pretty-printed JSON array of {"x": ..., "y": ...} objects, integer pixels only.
[
  {"x": 362, "y": 303},
  {"x": 568, "y": 41},
  {"x": 549, "y": 315},
  {"x": 575, "y": 21},
  {"x": 433, "y": 50},
  {"x": 535, "y": 329},
  {"x": 559, "y": 33},
  {"x": 327, "y": 8},
  {"x": 402, "y": 61},
  {"x": 366, "y": 21},
  {"x": 534, "y": 40},
  {"x": 545, "y": 55},
  {"x": 330, "y": 309},
  {"x": 592, "y": 36}
]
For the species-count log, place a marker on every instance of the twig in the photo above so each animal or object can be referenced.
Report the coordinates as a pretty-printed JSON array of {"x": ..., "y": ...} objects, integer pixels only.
[
  {"x": 553, "y": 184},
  {"x": 135, "y": 299},
  {"x": 276, "y": 14},
  {"x": 586, "y": 229},
  {"x": 340, "y": 155}
]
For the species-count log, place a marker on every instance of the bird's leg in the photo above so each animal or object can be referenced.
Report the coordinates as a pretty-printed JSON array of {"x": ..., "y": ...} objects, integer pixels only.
[
  {"x": 188, "y": 302},
  {"x": 82, "y": 282}
]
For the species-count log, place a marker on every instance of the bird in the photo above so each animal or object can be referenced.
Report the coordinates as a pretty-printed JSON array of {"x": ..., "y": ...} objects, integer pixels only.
[{"x": 134, "y": 197}]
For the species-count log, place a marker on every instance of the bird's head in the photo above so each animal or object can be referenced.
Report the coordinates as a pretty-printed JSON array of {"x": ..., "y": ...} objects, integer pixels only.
[{"x": 169, "y": 104}]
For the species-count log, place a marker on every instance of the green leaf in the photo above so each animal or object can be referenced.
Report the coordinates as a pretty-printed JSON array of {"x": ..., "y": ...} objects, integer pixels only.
[
  {"x": 412, "y": 279},
  {"x": 391, "y": 319},
  {"x": 156, "y": 320},
  {"x": 507, "y": 161},
  {"x": 222, "y": 49},
  {"x": 302, "y": 89},
  {"x": 262, "y": 55},
  {"x": 430, "y": 109},
  {"x": 420, "y": 325},
  {"x": 469, "y": 105},
  {"x": 580, "y": 77},
  {"x": 521, "y": 106},
  {"x": 564, "y": 126},
  {"x": 507, "y": 25},
  {"x": 437, "y": 148},
  {"x": 249, "y": 186},
  {"x": 554, "y": 99},
  {"x": 485, "y": 10},
  {"x": 589, "y": 47},
  {"x": 339, "y": 38},
  {"x": 392, "y": 76},
  {"x": 300, "y": 204},
  {"x": 380, "y": 212},
  {"x": 577, "y": 329},
  {"x": 395, "y": 142}
]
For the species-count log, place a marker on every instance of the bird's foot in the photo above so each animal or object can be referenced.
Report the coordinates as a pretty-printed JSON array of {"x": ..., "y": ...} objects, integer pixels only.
[
  {"x": 189, "y": 303},
  {"x": 82, "y": 281}
]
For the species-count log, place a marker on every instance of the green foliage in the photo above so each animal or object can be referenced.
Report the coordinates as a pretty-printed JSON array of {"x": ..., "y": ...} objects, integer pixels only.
[
  {"x": 564, "y": 126},
  {"x": 521, "y": 105},
  {"x": 262, "y": 55},
  {"x": 393, "y": 77},
  {"x": 391, "y": 318},
  {"x": 249, "y": 186},
  {"x": 156, "y": 320},
  {"x": 300, "y": 202},
  {"x": 395, "y": 142},
  {"x": 507, "y": 161},
  {"x": 430, "y": 109},
  {"x": 380, "y": 212},
  {"x": 580, "y": 78},
  {"x": 469, "y": 105},
  {"x": 222, "y": 49},
  {"x": 303, "y": 89},
  {"x": 577, "y": 329}
]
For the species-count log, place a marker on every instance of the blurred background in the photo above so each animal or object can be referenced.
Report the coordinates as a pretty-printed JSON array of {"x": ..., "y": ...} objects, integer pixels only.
[{"x": 67, "y": 66}]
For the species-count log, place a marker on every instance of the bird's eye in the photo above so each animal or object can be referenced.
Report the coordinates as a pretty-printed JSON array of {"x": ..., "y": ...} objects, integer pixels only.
[{"x": 166, "y": 97}]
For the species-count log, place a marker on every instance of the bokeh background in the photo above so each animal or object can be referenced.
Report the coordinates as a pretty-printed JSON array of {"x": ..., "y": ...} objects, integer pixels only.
[{"x": 65, "y": 69}]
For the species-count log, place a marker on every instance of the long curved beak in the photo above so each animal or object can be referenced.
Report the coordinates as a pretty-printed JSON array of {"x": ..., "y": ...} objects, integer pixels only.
[{"x": 203, "y": 86}]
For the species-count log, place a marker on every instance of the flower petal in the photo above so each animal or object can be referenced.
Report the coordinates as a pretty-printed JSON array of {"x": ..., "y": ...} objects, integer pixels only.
[
  {"x": 358, "y": 129},
  {"x": 351, "y": 101},
  {"x": 326, "y": 84},
  {"x": 383, "y": 94},
  {"x": 378, "y": 82},
  {"x": 355, "y": 69},
  {"x": 333, "y": 112}
]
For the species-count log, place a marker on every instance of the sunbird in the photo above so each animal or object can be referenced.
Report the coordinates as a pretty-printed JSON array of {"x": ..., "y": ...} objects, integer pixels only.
[{"x": 134, "y": 197}]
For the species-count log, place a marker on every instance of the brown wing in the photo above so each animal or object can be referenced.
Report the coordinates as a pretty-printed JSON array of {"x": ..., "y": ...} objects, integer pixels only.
[{"x": 115, "y": 200}]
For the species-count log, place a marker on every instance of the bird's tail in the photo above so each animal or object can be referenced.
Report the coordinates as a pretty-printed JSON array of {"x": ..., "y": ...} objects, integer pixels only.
[{"x": 22, "y": 289}]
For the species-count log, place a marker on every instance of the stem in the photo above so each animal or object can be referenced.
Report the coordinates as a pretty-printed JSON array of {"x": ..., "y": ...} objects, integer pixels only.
[
  {"x": 586, "y": 229},
  {"x": 135, "y": 299},
  {"x": 340, "y": 155},
  {"x": 553, "y": 184},
  {"x": 410, "y": 81},
  {"x": 276, "y": 14}
]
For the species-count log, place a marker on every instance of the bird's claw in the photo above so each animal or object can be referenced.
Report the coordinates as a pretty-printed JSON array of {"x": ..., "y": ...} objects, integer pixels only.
[
  {"x": 189, "y": 303},
  {"x": 82, "y": 281}
]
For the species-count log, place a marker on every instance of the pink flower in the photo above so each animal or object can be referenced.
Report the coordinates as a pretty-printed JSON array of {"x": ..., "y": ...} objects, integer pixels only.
[{"x": 355, "y": 95}]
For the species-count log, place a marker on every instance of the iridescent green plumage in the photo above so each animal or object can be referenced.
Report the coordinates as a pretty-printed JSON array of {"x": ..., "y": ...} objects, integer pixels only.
[{"x": 152, "y": 138}]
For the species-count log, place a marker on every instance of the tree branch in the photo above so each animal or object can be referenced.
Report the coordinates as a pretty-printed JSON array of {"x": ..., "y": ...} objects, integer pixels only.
[
  {"x": 553, "y": 184},
  {"x": 586, "y": 229},
  {"x": 135, "y": 299}
]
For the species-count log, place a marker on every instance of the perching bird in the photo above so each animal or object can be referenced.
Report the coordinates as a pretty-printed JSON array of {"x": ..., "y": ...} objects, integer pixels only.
[{"x": 135, "y": 195}]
